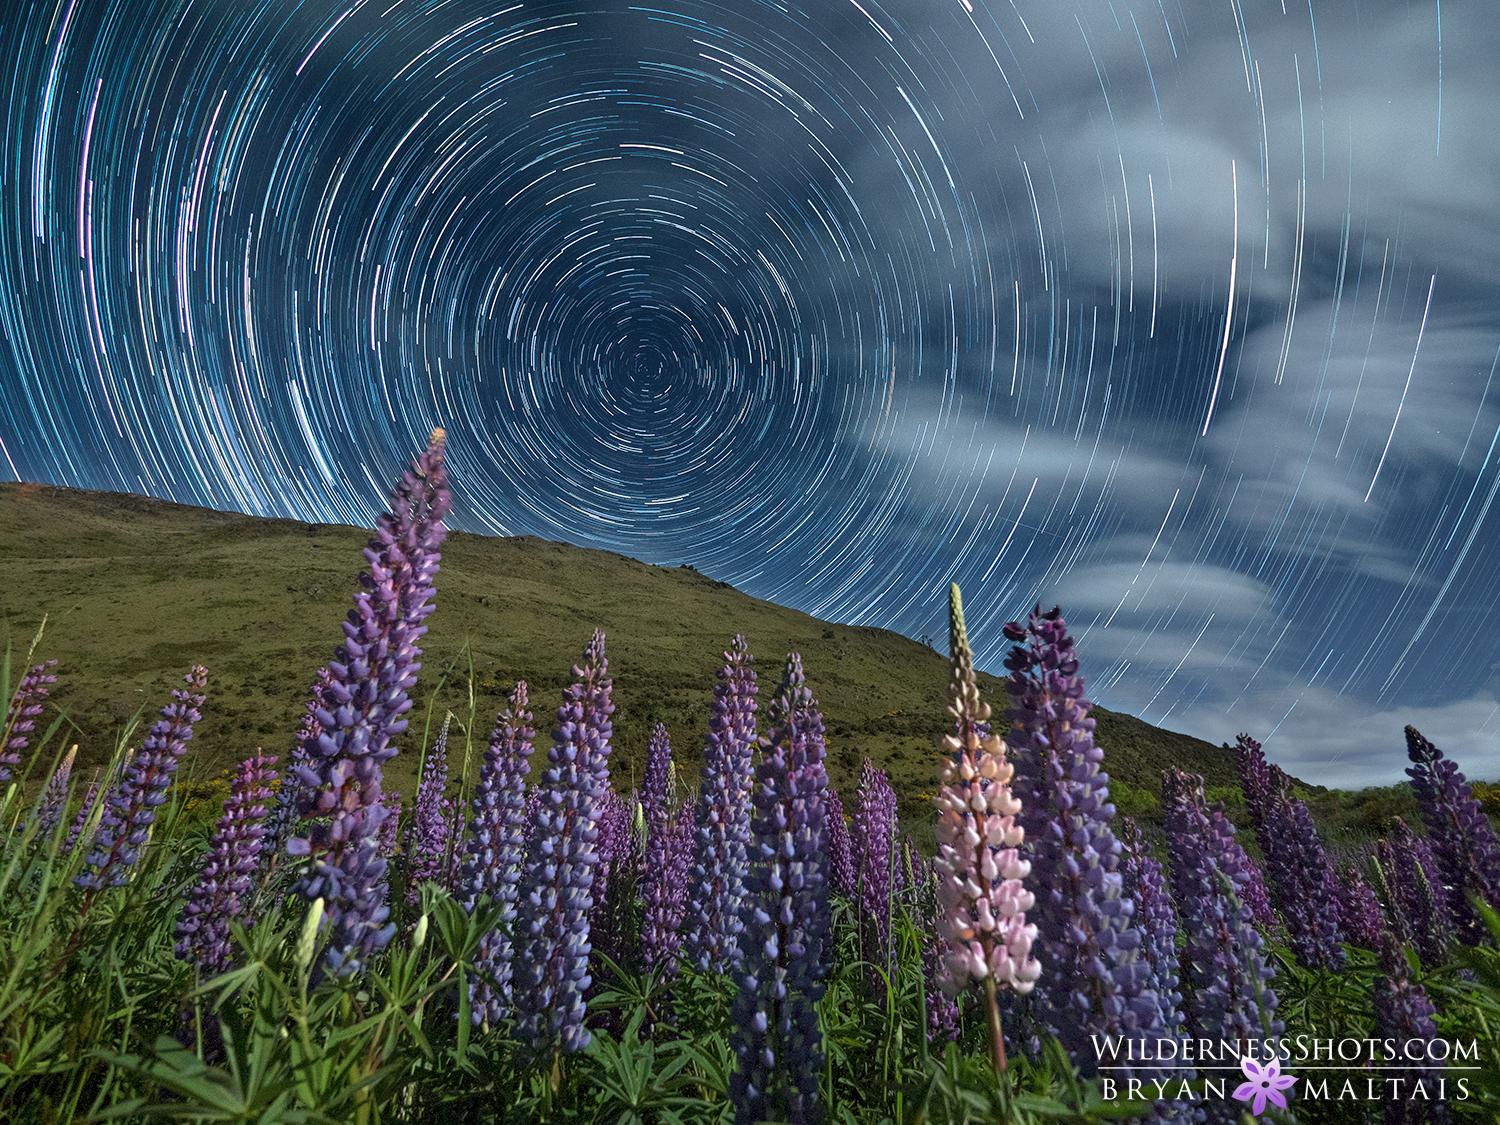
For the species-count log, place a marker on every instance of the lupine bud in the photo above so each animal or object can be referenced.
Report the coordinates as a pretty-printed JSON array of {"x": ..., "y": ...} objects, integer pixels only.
[
  {"x": 419, "y": 935},
  {"x": 492, "y": 864},
  {"x": 219, "y": 896},
  {"x": 775, "y": 1034},
  {"x": 375, "y": 669},
  {"x": 1462, "y": 838},
  {"x": 304, "y": 953},
  {"x": 132, "y": 805},
  {"x": 1298, "y": 867},
  {"x": 1097, "y": 984},
  {"x": 552, "y": 923},
  {"x": 712, "y": 927},
  {"x": 25, "y": 706}
]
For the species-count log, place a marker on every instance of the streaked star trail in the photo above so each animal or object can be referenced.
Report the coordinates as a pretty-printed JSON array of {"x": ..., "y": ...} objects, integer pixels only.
[{"x": 1181, "y": 315}]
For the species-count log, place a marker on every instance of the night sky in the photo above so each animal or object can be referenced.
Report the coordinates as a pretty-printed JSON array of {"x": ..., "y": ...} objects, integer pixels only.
[{"x": 1182, "y": 315}]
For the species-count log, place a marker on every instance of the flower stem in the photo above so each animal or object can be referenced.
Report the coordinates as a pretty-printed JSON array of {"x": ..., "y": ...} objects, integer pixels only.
[{"x": 997, "y": 1034}]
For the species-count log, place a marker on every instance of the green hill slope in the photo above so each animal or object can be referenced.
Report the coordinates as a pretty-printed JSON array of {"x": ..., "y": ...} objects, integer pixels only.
[{"x": 138, "y": 589}]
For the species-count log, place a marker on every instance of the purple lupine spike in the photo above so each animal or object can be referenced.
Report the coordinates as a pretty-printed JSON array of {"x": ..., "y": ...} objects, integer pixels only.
[
  {"x": 666, "y": 859},
  {"x": 713, "y": 925},
  {"x": 428, "y": 838},
  {"x": 81, "y": 820},
  {"x": 1257, "y": 897},
  {"x": 1462, "y": 838},
  {"x": 978, "y": 864},
  {"x": 1228, "y": 993},
  {"x": 1097, "y": 984},
  {"x": 1402, "y": 1010},
  {"x": 942, "y": 1009},
  {"x": 1146, "y": 883},
  {"x": 54, "y": 799},
  {"x": 1417, "y": 887},
  {"x": 1298, "y": 867},
  {"x": 1383, "y": 866},
  {"x": 552, "y": 919},
  {"x": 224, "y": 885},
  {"x": 373, "y": 673},
  {"x": 533, "y": 812},
  {"x": 388, "y": 838},
  {"x": 300, "y": 765},
  {"x": 872, "y": 842},
  {"x": 20, "y": 720},
  {"x": 132, "y": 805},
  {"x": 842, "y": 878},
  {"x": 775, "y": 1036},
  {"x": 492, "y": 864},
  {"x": 1359, "y": 908},
  {"x": 612, "y": 851}
]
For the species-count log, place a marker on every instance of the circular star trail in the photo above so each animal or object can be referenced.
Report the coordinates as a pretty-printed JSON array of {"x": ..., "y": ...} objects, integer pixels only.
[{"x": 1179, "y": 315}]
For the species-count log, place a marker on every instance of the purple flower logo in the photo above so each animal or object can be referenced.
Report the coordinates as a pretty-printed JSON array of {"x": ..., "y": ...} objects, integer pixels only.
[{"x": 1266, "y": 1084}]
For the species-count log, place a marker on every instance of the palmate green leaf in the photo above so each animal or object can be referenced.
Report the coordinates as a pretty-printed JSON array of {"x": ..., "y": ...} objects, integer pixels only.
[
  {"x": 639, "y": 1081},
  {"x": 209, "y": 1093}
]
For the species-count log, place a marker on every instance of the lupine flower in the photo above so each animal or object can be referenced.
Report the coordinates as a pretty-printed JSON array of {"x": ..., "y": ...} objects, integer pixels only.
[
  {"x": 1462, "y": 838},
  {"x": 222, "y": 888},
  {"x": 1359, "y": 908},
  {"x": 54, "y": 799},
  {"x": 289, "y": 794},
  {"x": 25, "y": 706},
  {"x": 775, "y": 1036},
  {"x": 533, "y": 810},
  {"x": 1229, "y": 995},
  {"x": 429, "y": 842},
  {"x": 552, "y": 922},
  {"x": 1418, "y": 892},
  {"x": 979, "y": 869},
  {"x": 842, "y": 878},
  {"x": 712, "y": 926},
  {"x": 615, "y": 920},
  {"x": 1295, "y": 860},
  {"x": 1097, "y": 984},
  {"x": 1402, "y": 1013},
  {"x": 132, "y": 805},
  {"x": 873, "y": 841},
  {"x": 373, "y": 671},
  {"x": 492, "y": 864},
  {"x": 668, "y": 852}
]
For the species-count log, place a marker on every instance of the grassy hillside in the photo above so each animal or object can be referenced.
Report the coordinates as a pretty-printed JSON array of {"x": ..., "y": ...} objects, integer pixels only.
[{"x": 138, "y": 589}]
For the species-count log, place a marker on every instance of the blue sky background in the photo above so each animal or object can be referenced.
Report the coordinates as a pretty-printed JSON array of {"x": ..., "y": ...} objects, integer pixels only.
[{"x": 1180, "y": 315}]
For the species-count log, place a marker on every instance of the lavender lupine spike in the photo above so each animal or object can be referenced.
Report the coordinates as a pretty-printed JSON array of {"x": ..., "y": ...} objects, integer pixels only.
[
  {"x": 1417, "y": 887},
  {"x": 373, "y": 672},
  {"x": 387, "y": 839},
  {"x": 713, "y": 925},
  {"x": 80, "y": 822},
  {"x": 842, "y": 878},
  {"x": 775, "y": 1036},
  {"x": 979, "y": 868},
  {"x": 431, "y": 822},
  {"x": 666, "y": 862},
  {"x": 552, "y": 922},
  {"x": 224, "y": 885},
  {"x": 1463, "y": 840},
  {"x": 1228, "y": 995},
  {"x": 942, "y": 1009},
  {"x": 1296, "y": 863},
  {"x": 54, "y": 798},
  {"x": 20, "y": 720},
  {"x": 612, "y": 852},
  {"x": 132, "y": 805},
  {"x": 1359, "y": 908},
  {"x": 1402, "y": 1013},
  {"x": 873, "y": 841},
  {"x": 1257, "y": 897},
  {"x": 492, "y": 864},
  {"x": 1097, "y": 984}
]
